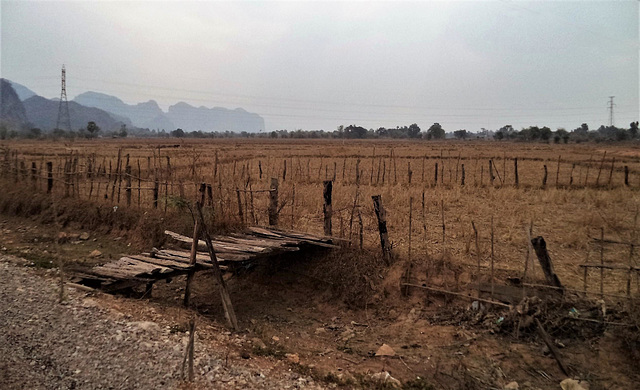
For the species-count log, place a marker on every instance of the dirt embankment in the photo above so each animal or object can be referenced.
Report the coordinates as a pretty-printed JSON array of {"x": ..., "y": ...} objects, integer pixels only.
[{"x": 86, "y": 345}]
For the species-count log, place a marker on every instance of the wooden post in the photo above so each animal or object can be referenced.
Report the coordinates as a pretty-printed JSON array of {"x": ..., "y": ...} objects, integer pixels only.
[
  {"x": 630, "y": 272},
  {"x": 127, "y": 172},
  {"x": 444, "y": 247},
  {"x": 601, "y": 262},
  {"x": 192, "y": 331},
  {"x": 515, "y": 170},
  {"x": 34, "y": 170},
  {"x": 475, "y": 233},
  {"x": 600, "y": 169},
  {"x": 156, "y": 187},
  {"x": 410, "y": 223},
  {"x": 284, "y": 171},
  {"x": 491, "y": 177},
  {"x": 558, "y": 172},
  {"x": 492, "y": 261},
  {"x": 613, "y": 163},
  {"x": 240, "y": 213},
  {"x": 540, "y": 247},
  {"x": 293, "y": 205},
  {"x": 573, "y": 167},
  {"x": 194, "y": 249},
  {"x": 139, "y": 183},
  {"x": 544, "y": 178},
  {"x": 273, "y": 202},
  {"x": 327, "y": 208},
  {"x": 409, "y": 171},
  {"x": 49, "y": 177},
  {"x": 382, "y": 229},
  {"x": 626, "y": 175},
  {"x": 551, "y": 345},
  {"x": 260, "y": 168},
  {"x": 224, "y": 293},
  {"x": 361, "y": 229},
  {"x": 462, "y": 178},
  {"x": 435, "y": 175}
]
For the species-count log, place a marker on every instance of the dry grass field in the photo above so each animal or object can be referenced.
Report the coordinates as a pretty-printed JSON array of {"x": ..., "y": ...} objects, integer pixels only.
[
  {"x": 585, "y": 191},
  {"x": 590, "y": 189}
]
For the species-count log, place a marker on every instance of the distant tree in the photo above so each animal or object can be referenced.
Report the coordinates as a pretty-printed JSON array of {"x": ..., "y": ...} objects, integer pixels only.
[
  {"x": 633, "y": 129},
  {"x": 413, "y": 131},
  {"x": 561, "y": 134},
  {"x": 92, "y": 129},
  {"x": 461, "y": 134},
  {"x": 353, "y": 131},
  {"x": 499, "y": 135},
  {"x": 435, "y": 131},
  {"x": 545, "y": 133},
  {"x": 123, "y": 131},
  {"x": 178, "y": 133},
  {"x": 35, "y": 133}
]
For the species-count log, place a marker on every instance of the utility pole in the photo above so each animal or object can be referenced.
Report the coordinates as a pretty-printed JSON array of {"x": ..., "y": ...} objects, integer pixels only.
[
  {"x": 611, "y": 105},
  {"x": 63, "y": 109}
]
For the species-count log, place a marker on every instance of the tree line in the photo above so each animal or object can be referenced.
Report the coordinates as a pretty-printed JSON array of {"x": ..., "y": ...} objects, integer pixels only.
[{"x": 435, "y": 132}]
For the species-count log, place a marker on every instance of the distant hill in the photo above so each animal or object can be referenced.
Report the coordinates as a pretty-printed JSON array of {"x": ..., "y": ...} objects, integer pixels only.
[
  {"x": 190, "y": 118},
  {"x": 23, "y": 92},
  {"x": 12, "y": 114},
  {"x": 145, "y": 115},
  {"x": 43, "y": 113},
  {"x": 181, "y": 115}
]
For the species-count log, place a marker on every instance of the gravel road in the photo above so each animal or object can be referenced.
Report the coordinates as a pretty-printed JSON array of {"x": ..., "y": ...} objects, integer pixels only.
[{"x": 81, "y": 345}]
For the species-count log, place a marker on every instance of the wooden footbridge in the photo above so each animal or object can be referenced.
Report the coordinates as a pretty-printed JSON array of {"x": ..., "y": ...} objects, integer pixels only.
[{"x": 233, "y": 252}]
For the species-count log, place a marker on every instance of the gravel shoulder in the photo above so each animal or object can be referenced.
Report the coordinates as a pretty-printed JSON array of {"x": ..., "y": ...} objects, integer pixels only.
[{"x": 81, "y": 344}]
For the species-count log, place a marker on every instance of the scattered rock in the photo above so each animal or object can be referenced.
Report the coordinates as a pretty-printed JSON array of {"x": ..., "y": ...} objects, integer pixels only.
[
  {"x": 385, "y": 350},
  {"x": 258, "y": 343},
  {"x": 572, "y": 384},
  {"x": 386, "y": 379},
  {"x": 512, "y": 386},
  {"x": 293, "y": 358},
  {"x": 146, "y": 325},
  {"x": 320, "y": 330},
  {"x": 84, "y": 236},
  {"x": 275, "y": 338},
  {"x": 95, "y": 253},
  {"x": 62, "y": 237}
]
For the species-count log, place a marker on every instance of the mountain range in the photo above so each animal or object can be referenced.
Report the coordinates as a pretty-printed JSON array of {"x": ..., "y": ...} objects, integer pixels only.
[{"x": 109, "y": 112}]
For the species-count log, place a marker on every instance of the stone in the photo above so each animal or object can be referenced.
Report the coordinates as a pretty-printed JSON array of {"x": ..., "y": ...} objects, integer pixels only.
[
  {"x": 95, "y": 253},
  {"x": 320, "y": 330},
  {"x": 385, "y": 350},
  {"x": 146, "y": 325},
  {"x": 275, "y": 338},
  {"x": 293, "y": 358},
  {"x": 84, "y": 236},
  {"x": 258, "y": 343},
  {"x": 572, "y": 384},
  {"x": 384, "y": 378},
  {"x": 512, "y": 386}
]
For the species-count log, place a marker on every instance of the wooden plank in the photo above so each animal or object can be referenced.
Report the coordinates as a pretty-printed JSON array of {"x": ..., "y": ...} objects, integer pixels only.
[
  {"x": 201, "y": 258},
  {"x": 218, "y": 245},
  {"x": 609, "y": 266},
  {"x": 162, "y": 262}
]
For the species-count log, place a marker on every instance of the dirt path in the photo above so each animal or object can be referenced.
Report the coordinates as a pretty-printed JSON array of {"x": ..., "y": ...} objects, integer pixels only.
[{"x": 81, "y": 344}]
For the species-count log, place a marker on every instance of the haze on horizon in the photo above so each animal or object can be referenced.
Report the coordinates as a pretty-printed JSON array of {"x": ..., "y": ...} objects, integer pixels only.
[{"x": 318, "y": 65}]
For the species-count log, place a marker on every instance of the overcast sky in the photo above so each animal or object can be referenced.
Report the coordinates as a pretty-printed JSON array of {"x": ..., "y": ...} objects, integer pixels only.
[{"x": 317, "y": 65}]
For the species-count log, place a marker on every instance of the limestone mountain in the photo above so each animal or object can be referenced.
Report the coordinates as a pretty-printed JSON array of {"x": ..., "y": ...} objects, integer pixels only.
[
  {"x": 13, "y": 114},
  {"x": 43, "y": 113},
  {"x": 190, "y": 118},
  {"x": 23, "y": 92},
  {"x": 144, "y": 115}
]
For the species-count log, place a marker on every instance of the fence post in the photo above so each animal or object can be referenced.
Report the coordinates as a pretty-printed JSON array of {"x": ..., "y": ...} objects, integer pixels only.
[
  {"x": 327, "y": 208},
  {"x": 515, "y": 169},
  {"x": 382, "y": 228},
  {"x": 194, "y": 250},
  {"x": 49, "y": 177},
  {"x": 462, "y": 178},
  {"x": 491, "y": 177},
  {"x": 273, "y": 202},
  {"x": 156, "y": 187},
  {"x": 240, "y": 213},
  {"x": 127, "y": 172},
  {"x": 544, "y": 178},
  {"x": 626, "y": 175}
]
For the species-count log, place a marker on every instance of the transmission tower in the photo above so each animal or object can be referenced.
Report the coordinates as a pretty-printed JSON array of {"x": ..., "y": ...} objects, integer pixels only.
[
  {"x": 611, "y": 105},
  {"x": 63, "y": 109}
]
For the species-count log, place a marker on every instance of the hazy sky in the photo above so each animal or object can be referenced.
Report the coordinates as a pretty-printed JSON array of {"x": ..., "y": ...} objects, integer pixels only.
[{"x": 317, "y": 65}]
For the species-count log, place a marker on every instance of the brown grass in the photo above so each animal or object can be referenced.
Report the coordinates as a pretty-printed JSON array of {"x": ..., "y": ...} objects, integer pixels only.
[{"x": 566, "y": 215}]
